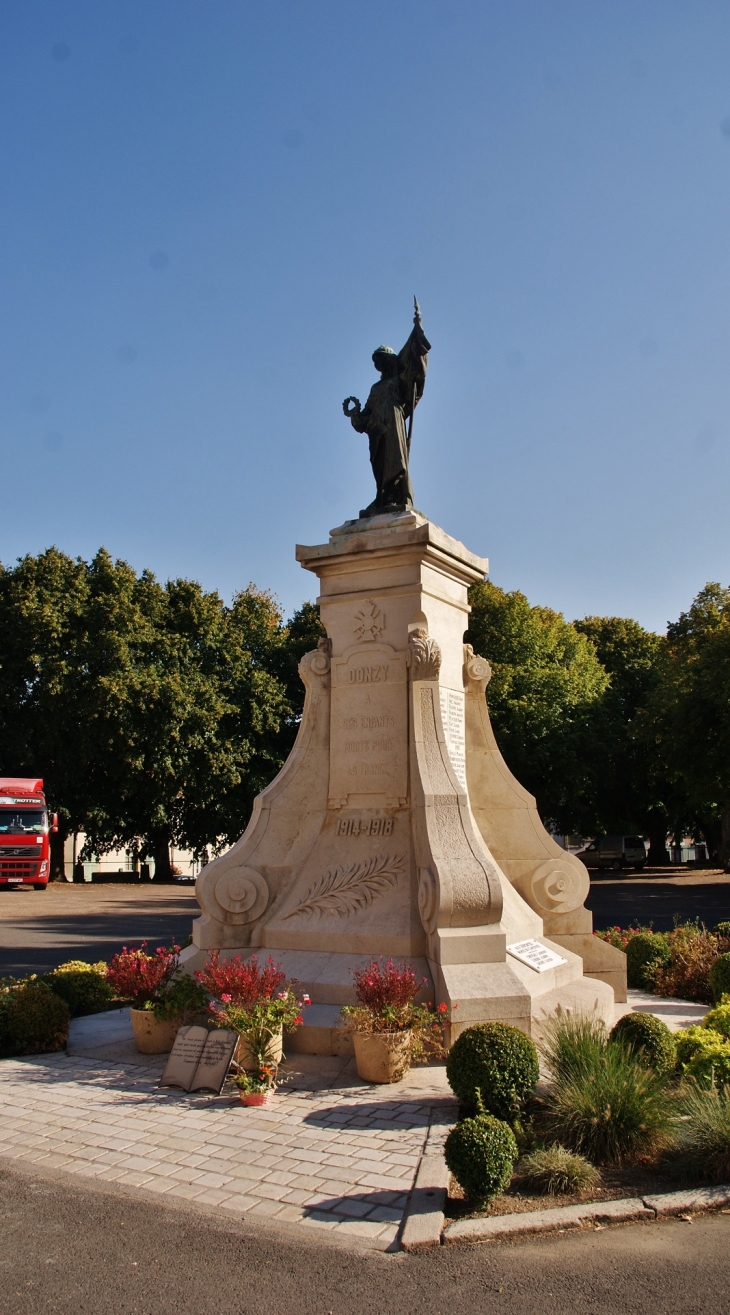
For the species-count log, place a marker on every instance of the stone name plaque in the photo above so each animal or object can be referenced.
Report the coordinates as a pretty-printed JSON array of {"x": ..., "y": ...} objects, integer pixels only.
[
  {"x": 199, "y": 1059},
  {"x": 535, "y": 955},
  {"x": 369, "y": 726},
  {"x": 452, "y": 716}
]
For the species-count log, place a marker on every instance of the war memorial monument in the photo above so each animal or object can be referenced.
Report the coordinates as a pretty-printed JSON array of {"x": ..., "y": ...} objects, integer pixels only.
[{"x": 395, "y": 827}]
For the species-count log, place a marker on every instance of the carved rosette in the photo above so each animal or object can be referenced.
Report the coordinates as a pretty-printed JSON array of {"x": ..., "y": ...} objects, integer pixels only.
[
  {"x": 477, "y": 671},
  {"x": 424, "y": 656}
]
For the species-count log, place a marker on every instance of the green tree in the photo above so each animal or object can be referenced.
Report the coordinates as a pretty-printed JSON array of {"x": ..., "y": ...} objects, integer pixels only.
[
  {"x": 544, "y": 698},
  {"x": 151, "y": 711},
  {"x": 690, "y": 714},
  {"x": 634, "y": 793}
]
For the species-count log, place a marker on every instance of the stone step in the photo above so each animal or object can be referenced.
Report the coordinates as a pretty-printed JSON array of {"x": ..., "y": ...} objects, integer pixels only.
[{"x": 323, "y": 1032}]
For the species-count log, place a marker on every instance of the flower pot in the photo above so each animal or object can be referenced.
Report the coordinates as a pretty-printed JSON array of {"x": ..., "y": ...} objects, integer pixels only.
[
  {"x": 257, "y": 1097},
  {"x": 244, "y": 1057},
  {"x": 153, "y": 1036},
  {"x": 382, "y": 1056}
]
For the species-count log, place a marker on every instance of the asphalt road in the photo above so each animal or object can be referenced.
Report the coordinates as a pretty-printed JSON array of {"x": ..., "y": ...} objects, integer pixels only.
[
  {"x": 39, "y": 931},
  {"x": 69, "y": 1247},
  {"x": 659, "y": 897}
]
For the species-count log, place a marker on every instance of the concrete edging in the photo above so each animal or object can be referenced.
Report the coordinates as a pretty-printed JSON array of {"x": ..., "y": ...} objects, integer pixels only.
[{"x": 596, "y": 1212}]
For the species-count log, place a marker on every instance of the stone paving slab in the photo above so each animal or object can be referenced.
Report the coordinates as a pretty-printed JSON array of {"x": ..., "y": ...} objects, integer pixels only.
[{"x": 341, "y": 1158}]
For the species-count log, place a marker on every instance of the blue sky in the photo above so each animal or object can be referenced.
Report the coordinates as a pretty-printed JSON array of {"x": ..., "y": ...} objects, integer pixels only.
[{"x": 213, "y": 212}]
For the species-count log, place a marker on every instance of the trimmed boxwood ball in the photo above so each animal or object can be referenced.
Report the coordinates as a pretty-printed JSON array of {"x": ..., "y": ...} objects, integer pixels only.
[
  {"x": 649, "y": 1038},
  {"x": 720, "y": 977},
  {"x": 481, "y": 1153},
  {"x": 496, "y": 1060},
  {"x": 642, "y": 952}
]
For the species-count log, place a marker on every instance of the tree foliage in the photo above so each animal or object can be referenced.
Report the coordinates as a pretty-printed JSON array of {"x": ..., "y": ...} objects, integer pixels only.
[
  {"x": 544, "y": 696},
  {"x": 152, "y": 711}
]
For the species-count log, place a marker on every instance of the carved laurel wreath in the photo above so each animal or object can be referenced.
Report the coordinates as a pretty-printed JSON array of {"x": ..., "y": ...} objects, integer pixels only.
[{"x": 347, "y": 889}]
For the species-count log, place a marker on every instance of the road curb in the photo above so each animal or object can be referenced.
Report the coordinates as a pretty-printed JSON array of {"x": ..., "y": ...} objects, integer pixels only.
[{"x": 626, "y": 1210}]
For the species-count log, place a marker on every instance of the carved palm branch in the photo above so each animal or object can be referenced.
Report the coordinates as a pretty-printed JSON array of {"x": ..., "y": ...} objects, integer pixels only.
[{"x": 348, "y": 889}]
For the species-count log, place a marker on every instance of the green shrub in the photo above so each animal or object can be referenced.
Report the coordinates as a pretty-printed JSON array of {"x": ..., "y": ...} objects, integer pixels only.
[
  {"x": 692, "y": 952},
  {"x": 701, "y": 1148},
  {"x": 481, "y": 1152},
  {"x": 720, "y": 977},
  {"x": 603, "y": 1101},
  {"x": 184, "y": 996},
  {"x": 82, "y": 985},
  {"x": 33, "y": 1019},
  {"x": 497, "y": 1060},
  {"x": 552, "y": 1169},
  {"x": 649, "y": 1038},
  {"x": 718, "y": 1019},
  {"x": 689, "y": 1041},
  {"x": 643, "y": 952},
  {"x": 710, "y": 1066},
  {"x": 722, "y": 929}
]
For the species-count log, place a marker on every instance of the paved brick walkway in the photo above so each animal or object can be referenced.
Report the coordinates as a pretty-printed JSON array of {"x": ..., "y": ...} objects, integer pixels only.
[{"x": 341, "y": 1159}]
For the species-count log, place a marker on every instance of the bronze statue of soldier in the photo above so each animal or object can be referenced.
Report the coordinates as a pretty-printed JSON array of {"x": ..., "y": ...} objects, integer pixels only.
[{"x": 391, "y": 402}]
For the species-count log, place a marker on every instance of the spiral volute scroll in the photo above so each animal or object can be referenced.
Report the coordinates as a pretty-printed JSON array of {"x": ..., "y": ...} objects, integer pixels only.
[
  {"x": 240, "y": 895},
  {"x": 428, "y": 899},
  {"x": 318, "y": 662},
  {"x": 559, "y": 887},
  {"x": 477, "y": 670}
]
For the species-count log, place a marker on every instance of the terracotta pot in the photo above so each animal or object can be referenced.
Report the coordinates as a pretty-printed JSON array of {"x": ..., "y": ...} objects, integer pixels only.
[
  {"x": 244, "y": 1057},
  {"x": 256, "y": 1097},
  {"x": 383, "y": 1056},
  {"x": 153, "y": 1036}
]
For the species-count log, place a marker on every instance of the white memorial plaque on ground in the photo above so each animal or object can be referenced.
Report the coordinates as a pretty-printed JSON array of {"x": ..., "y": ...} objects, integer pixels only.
[
  {"x": 452, "y": 716},
  {"x": 535, "y": 955}
]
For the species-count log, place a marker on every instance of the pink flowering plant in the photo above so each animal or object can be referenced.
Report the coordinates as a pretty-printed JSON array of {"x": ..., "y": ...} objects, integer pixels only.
[
  {"x": 255, "y": 1001},
  {"x": 386, "y": 994},
  {"x": 141, "y": 977}
]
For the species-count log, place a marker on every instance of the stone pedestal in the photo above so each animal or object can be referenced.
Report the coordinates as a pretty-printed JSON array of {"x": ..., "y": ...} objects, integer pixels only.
[{"x": 394, "y": 828}]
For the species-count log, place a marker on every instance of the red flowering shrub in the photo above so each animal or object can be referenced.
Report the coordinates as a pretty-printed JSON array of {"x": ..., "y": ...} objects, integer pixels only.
[
  {"x": 243, "y": 983},
  {"x": 381, "y": 985},
  {"x": 141, "y": 977}
]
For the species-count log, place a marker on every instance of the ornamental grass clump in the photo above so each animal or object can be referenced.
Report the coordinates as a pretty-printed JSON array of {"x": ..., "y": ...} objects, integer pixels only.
[
  {"x": 603, "y": 1101},
  {"x": 481, "y": 1152},
  {"x": 701, "y": 1147},
  {"x": 554, "y": 1170},
  {"x": 497, "y": 1062},
  {"x": 649, "y": 1038},
  {"x": 386, "y": 994}
]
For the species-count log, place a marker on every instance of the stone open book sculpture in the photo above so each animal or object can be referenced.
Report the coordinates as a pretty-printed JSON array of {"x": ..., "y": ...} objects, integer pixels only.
[{"x": 199, "y": 1059}]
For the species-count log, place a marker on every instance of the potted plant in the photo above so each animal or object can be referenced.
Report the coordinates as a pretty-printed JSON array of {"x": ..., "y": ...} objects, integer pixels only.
[
  {"x": 257, "y": 1088},
  {"x": 389, "y": 1029},
  {"x": 144, "y": 980},
  {"x": 257, "y": 1002}
]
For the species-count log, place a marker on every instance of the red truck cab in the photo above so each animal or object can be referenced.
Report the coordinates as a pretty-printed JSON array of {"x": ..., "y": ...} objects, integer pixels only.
[{"x": 24, "y": 829}]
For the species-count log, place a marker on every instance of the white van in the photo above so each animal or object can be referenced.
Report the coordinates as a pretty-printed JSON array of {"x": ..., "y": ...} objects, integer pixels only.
[{"x": 614, "y": 852}]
